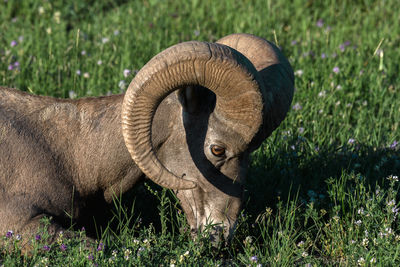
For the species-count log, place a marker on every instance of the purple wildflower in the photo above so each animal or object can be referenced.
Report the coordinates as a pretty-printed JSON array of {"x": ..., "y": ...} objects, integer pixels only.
[
  {"x": 323, "y": 55},
  {"x": 100, "y": 247},
  {"x": 63, "y": 247},
  {"x": 294, "y": 42},
  {"x": 336, "y": 69},
  {"x": 78, "y": 72},
  {"x": 13, "y": 66},
  {"x": 394, "y": 144},
  {"x": 9, "y": 234},
  {"x": 127, "y": 72},
  {"x": 90, "y": 257},
  {"x": 38, "y": 237},
  {"x": 297, "y": 106},
  {"x": 13, "y": 43},
  {"x": 344, "y": 45},
  {"x": 46, "y": 248},
  {"x": 351, "y": 141},
  {"x": 83, "y": 229},
  {"x": 320, "y": 23},
  {"x": 301, "y": 130}
]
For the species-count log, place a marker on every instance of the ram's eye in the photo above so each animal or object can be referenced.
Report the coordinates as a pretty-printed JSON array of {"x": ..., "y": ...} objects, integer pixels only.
[{"x": 217, "y": 151}]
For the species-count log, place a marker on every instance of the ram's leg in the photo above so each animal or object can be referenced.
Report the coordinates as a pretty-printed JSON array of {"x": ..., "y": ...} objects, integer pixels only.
[
  {"x": 30, "y": 229},
  {"x": 27, "y": 229}
]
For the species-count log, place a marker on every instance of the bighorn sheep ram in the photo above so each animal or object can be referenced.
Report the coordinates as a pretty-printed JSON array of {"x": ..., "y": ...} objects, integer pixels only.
[{"x": 62, "y": 156}]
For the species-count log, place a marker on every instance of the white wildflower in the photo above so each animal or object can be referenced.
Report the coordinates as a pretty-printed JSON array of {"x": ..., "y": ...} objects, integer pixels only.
[
  {"x": 127, "y": 254},
  {"x": 122, "y": 85},
  {"x": 300, "y": 244},
  {"x": 298, "y": 72},
  {"x": 391, "y": 203},
  {"x": 57, "y": 16},
  {"x": 322, "y": 93},
  {"x": 72, "y": 94},
  {"x": 394, "y": 178}
]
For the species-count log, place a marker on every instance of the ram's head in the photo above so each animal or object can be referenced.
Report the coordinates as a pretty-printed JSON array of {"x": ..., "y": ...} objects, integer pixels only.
[{"x": 233, "y": 94}]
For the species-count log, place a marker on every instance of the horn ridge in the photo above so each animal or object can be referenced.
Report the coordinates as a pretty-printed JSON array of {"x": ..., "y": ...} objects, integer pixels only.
[{"x": 214, "y": 66}]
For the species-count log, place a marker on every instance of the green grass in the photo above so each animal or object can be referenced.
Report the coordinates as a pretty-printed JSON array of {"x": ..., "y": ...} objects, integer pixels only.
[{"x": 318, "y": 190}]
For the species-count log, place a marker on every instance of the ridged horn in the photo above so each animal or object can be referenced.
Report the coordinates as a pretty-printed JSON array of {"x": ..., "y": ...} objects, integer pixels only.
[
  {"x": 217, "y": 67},
  {"x": 276, "y": 75}
]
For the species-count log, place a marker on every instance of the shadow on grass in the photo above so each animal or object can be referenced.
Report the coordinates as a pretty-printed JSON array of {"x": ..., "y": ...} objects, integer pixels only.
[
  {"x": 302, "y": 169},
  {"x": 276, "y": 175}
]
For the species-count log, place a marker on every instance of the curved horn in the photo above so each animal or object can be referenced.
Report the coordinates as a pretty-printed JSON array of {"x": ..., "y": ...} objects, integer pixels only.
[
  {"x": 276, "y": 74},
  {"x": 217, "y": 67}
]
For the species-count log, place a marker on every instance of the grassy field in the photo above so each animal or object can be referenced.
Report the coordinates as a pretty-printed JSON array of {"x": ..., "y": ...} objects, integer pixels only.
[{"x": 322, "y": 190}]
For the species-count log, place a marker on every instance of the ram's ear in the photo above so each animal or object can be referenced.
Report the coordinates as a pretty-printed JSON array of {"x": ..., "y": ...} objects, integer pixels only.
[{"x": 195, "y": 99}]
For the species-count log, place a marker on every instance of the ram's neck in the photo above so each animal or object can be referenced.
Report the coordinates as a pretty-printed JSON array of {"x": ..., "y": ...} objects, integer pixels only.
[{"x": 101, "y": 158}]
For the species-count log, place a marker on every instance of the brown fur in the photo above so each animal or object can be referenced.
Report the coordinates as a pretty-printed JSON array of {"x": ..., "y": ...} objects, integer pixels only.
[{"x": 61, "y": 157}]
